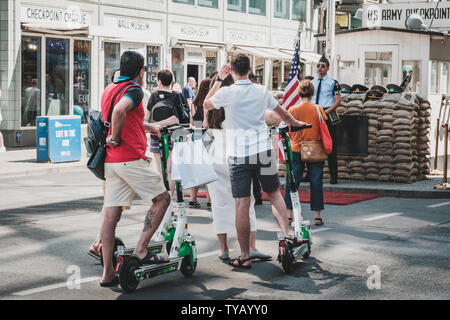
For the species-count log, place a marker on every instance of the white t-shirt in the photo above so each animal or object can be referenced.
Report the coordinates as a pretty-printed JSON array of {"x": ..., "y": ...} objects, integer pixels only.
[{"x": 245, "y": 104}]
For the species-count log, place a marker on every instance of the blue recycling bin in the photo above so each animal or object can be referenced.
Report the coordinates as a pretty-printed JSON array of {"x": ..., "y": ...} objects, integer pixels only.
[{"x": 58, "y": 138}]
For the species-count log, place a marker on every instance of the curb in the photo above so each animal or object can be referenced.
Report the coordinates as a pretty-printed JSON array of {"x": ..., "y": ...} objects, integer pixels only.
[{"x": 41, "y": 171}]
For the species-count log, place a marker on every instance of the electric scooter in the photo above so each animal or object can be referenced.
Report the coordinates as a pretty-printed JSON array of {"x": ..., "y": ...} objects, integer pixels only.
[
  {"x": 290, "y": 251},
  {"x": 183, "y": 251},
  {"x": 165, "y": 234}
]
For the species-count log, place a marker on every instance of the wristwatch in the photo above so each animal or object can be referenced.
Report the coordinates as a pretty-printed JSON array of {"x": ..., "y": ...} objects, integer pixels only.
[
  {"x": 218, "y": 79},
  {"x": 115, "y": 143}
]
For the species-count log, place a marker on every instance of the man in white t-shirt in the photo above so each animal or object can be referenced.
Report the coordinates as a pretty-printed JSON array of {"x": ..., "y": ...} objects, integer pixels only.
[{"x": 249, "y": 147}]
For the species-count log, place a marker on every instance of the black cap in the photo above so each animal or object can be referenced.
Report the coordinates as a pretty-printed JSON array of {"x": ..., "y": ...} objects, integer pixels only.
[
  {"x": 379, "y": 88},
  {"x": 374, "y": 94},
  {"x": 393, "y": 88},
  {"x": 324, "y": 59},
  {"x": 359, "y": 88},
  {"x": 345, "y": 88}
]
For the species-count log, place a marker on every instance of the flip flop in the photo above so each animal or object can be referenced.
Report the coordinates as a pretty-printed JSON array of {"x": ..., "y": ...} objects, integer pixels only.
[
  {"x": 153, "y": 258},
  {"x": 93, "y": 253},
  {"x": 240, "y": 263},
  {"x": 320, "y": 221},
  {"x": 224, "y": 256},
  {"x": 112, "y": 283},
  {"x": 259, "y": 255}
]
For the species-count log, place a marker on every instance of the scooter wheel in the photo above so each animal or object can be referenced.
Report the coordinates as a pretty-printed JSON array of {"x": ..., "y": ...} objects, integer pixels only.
[
  {"x": 117, "y": 242},
  {"x": 127, "y": 278},
  {"x": 186, "y": 268},
  {"x": 287, "y": 262}
]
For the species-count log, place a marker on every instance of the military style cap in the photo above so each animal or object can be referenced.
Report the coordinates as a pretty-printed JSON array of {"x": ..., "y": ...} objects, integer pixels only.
[
  {"x": 374, "y": 94},
  {"x": 359, "y": 88},
  {"x": 345, "y": 88},
  {"x": 393, "y": 88},
  {"x": 379, "y": 88}
]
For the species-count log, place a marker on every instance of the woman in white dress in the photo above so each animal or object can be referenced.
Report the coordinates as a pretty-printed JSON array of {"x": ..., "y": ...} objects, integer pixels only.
[{"x": 222, "y": 202}]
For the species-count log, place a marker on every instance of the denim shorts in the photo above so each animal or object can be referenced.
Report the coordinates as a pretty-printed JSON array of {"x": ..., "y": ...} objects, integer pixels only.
[{"x": 262, "y": 166}]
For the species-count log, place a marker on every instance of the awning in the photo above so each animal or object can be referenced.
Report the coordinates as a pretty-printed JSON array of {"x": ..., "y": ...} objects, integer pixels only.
[
  {"x": 55, "y": 29},
  {"x": 197, "y": 44},
  {"x": 268, "y": 53},
  {"x": 305, "y": 56}
]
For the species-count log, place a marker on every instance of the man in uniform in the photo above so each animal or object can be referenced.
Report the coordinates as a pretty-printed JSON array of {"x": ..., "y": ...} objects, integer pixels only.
[{"x": 327, "y": 94}]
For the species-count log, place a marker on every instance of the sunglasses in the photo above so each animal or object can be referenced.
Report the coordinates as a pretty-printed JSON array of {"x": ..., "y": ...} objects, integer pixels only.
[{"x": 321, "y": 65}]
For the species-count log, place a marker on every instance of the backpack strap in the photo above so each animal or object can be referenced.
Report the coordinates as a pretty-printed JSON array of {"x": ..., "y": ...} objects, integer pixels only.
[{"x": 107, "y": 124}]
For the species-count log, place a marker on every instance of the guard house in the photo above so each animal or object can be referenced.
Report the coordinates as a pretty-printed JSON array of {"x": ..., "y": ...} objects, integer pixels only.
[{"x": 384, "y": 55}]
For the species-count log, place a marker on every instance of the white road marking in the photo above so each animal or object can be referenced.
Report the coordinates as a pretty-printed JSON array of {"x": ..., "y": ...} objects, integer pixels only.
[
  {"x": 64, "y": 284},
  {"x": 320, "y": 230},
  {"x": 53, "y": 286},
  {"x": 437, "y": 205},
  {"x": 387, "y": 215}
]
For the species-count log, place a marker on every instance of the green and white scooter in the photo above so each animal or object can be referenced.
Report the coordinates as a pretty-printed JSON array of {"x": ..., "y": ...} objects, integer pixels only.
[
  {"x": 183, "y": 251},
  {"x": 291, "y": 251},
  {"x": 166, "y": 232}
]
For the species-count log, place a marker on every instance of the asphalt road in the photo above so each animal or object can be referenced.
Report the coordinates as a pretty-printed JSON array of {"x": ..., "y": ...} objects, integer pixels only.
[{"x": 387, "y": 248}]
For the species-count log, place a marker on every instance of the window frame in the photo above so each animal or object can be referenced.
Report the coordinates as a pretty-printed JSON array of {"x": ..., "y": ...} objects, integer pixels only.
[{"x": 43, "y": 37}]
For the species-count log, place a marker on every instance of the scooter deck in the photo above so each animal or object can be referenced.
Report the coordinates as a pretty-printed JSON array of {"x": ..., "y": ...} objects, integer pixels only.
[{"x": 148, "y": 271}]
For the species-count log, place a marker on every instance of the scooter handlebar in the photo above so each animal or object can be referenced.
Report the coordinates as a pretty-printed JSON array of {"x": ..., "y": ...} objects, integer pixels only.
[{"x": 294, "y": 129}]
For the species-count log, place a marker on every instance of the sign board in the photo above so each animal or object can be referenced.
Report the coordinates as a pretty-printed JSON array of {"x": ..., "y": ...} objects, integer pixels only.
[
  {"x": 395, "y": 15},
  {"x": 58, "y": 138},
  {"x": 71, "y": 17},
  {"x": 195, "y": 55},
  {"x": 235, "y": 36},
  {"x": 194, "y": 32},
  {"x": 129, "y": 28}
]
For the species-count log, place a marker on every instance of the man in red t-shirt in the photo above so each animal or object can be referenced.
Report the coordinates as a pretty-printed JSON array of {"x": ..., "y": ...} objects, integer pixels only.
[{"x": 127, "y": 169}]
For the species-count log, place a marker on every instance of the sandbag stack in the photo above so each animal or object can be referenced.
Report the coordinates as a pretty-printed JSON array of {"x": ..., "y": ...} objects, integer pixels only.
[{"x": 423, "y": 141}]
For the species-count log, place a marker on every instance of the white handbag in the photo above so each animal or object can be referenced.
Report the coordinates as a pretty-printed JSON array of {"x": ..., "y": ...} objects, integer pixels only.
[{"x": 191, "y": 164}]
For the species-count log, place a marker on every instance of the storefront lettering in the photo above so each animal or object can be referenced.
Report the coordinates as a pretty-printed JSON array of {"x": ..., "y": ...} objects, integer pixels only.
[
  {"x": 241, "y": 36},
  {"x": 195, "y": 32},
  {"x": 57, "y": 16},
  {"x": 389, "y": 14},
  {"x": 134, "y": 25}
]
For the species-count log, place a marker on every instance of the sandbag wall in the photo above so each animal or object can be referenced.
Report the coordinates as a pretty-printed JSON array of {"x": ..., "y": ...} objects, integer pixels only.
[{"x": 398, "y": 144}]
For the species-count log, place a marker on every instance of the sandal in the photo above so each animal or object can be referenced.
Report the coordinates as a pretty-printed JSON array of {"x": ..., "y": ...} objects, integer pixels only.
[
  {"x": 112, "y": 283},
  {"x": 318, "y": 221},
  {"x": 194, "y": 204},
  {"x": 240, "y": 263},
  {"x": 294, "y": 242},
  {"x": 224, "y": 256},
  {"x": 153, "y": 258},
  {"x": 94, "y": 253}
]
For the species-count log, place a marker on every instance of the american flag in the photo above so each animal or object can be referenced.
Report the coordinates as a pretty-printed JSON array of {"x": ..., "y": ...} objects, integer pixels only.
[{"x": 291, "y": 96}]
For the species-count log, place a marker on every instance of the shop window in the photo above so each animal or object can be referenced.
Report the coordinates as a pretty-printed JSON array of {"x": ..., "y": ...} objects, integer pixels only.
[
  {"x": 57, "y": 77},
  {"x": 153, "y": 65},
  {"x": 81, "y": 78},
  {"x": 414, "y": 66},
  {"x": 281, "y": 9},
  {"x": 257, "y": 7},
  {"x": 184, "y": 1},
  {"x": 237, "y": 5},
  {"x": 276, "y": 75},
  {"x": 31, "y": 80},
  {"x": 177, "y": 65},
  {"x": 434, "y": 77},
  {"x": 299, "y": 10},
  {"x": 443, "y": 80},
  {"x": 347, "y": 71},
  {"x": 211, "y": 62},
  {"x": 112, "y": 60},
  {"x": 208, "y": 3},
  {"x": 259, "y": 70},
  {"x": 378, "y": 68},
  {"x": 286, "y": 71}
]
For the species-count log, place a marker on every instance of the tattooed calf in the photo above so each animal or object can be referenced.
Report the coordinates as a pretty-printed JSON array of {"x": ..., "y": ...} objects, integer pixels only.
[{"x": 148, "y": 220}]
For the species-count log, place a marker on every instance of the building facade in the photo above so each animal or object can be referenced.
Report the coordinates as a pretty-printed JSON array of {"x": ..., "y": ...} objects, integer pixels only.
[{"x": 57, "y": 57}]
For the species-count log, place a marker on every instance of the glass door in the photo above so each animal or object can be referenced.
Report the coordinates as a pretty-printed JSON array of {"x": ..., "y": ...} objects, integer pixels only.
[{"x": 57, "y": 77}]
